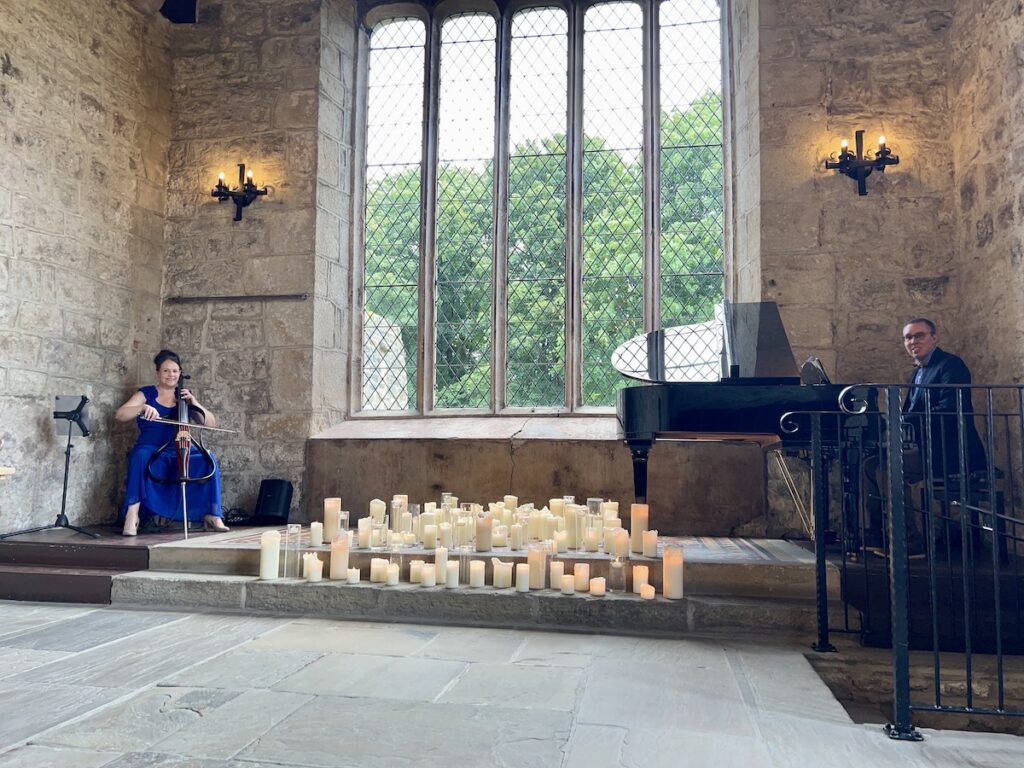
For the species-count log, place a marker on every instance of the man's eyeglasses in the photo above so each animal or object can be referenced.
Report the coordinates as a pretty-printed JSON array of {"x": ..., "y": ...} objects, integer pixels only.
[{"x": 919, "y": 336}]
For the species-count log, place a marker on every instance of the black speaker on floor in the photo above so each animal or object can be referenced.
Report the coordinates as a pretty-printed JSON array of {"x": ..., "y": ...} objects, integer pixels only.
[{"x": 273, "y": 502}]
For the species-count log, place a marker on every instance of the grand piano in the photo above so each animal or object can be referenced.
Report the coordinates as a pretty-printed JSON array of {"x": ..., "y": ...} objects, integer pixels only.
[{"x": 731, "y": 378}]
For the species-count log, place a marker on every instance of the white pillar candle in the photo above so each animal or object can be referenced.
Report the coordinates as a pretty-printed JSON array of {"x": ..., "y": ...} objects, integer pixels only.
[
  {"x": 537, "y": 559},
  {"x": 425, "y": 519},
  {"x": 451, "y": 575},
  {"x": 567, "y": 582},
  {"x": 500, "y": 536},
  {"x": 570, "y": 526},
  {"x": 502, "y": 573},
  {"x": 377, "y": 510},
  {"x": 363, "y": 531},
  {"x": 409, "y": 538},
  {"x": 393, "y": 573},
  {"x": 590, "y": 539},
  {"x": 597, "y": 587},
  {"x": 476, "y": 573},
  {"x": 561, "y": 541},
  {"x": 428, "y": 577},
  {"x": 640, "y": 575},
  {"x": 621, "y": 543},
  {"x": 511, "y": 502},
  {"x": 551, "y": 524},
  {"x": 314, "y": 568},
  {"x": 557, "y": 506},
  {"x": 647, "y": 592},
  {"x": 638, "y": 518},
  {"x": 484, "y": 532},
  {"x": 581, "y": 573},
  {"x": 339, "y": 557},
  {"x": 332, "y": 517},
  {"x": 270, "y": 554},
  {"x": 516, "y": 536},
  {"x": 429, "y": 536},
  {"x": 650, "y": 543},
  {"x": 444, "y": 535},
  {"x": 672, "y": 573},
  {"x": 440, "y": 564},
  {"x": 378, "y": 570},
  {"x": 556, "y": 571},
  {"x": 316, "y": 534},
  {"x": 430, "y": 506},
  {"x": 305, "y": 563},
  {"x": 522, "y": 577},
  {"x": 353, "y": 576},
  {"x": 415, "y": 569},
  {"x": 536, "y": 526},
  {"x": 406, "y": 523}
]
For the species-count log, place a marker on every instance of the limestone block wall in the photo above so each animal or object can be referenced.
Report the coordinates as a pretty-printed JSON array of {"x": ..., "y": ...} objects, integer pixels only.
[
  {"x": 246, "y": 90},
  {"x": 84, "y": 125},
  {"x": 987, "y": 100},
  {"x": 847, "y": 270}
]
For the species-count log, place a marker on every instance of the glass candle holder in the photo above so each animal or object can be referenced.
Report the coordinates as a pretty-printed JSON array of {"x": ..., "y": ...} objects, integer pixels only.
[{"x": 616, "y": 575}]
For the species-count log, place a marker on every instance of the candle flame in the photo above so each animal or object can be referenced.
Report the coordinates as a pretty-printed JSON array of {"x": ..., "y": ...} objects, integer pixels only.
[
  {"x": 844, "y": 144},
  {"x": 881, "y": 140}
]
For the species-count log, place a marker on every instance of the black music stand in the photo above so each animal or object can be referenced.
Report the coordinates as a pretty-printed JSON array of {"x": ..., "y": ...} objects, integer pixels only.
[{"x": 71, "y": 420}]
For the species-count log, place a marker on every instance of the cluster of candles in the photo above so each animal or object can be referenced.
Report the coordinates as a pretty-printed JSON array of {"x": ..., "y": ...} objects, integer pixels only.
[{"x": 458, "y": 529}]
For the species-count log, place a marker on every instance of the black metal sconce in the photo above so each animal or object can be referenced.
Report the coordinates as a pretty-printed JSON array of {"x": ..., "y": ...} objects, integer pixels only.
[
  {"x": 242, "y": 195},
  {"x": 857, "y": 166}
]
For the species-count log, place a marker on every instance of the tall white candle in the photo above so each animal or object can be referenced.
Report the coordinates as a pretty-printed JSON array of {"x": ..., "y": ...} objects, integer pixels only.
[
  {"x": 415, "y": 569},
  {"x": 332, "y": 517},
  {"x": 650, "y": 543},
  {"x": 429, "y": 536},
  {"x": 561, "y": 541},
  {"x": 537, "y": 558},
  {"x": 428, "y": 577},
  {"x": 314, "y": 568},
  {"x": 516, "y": 536},
  {"x": 440, "y": 564},
  {"x": 621, "y": 546},
  {"x": 647, "y": 592},
  {"x": 590, "y": 539},
  {"x": 425, "y": 519},
  {"x": 484, "y": 531},
  {"x": 270, "y": 554},
  {"x": 557, "y": 570},
  {"x": 522, "y": 577},
  {"x": 316, "y": 534},
  {"x": 305, "y": 564},
  {"x": 406, "y": 523},
  {"x": 597, "y": 586},
  {"x": 638, "y": 518},
  {"x": 339, "y": 557},
  {"x": 353, "y": 576},
  {"x": 570, "y": 526},
  {"x": 567, "y": 582},
  {"x": 363, "y": 531},
  {"x": 581, "y": 573},
  {"x": 451, "y": 580},
  {"x": 502, "y": 573},
  {"x": 444, "y": 535},
  {"x": 557, "y": 506},
  {"x": 640, "y": 575},
  {"x": 377, "y": 510},
  {"x": 672, "y": 573},
  {"x": 476, "y": 573}
]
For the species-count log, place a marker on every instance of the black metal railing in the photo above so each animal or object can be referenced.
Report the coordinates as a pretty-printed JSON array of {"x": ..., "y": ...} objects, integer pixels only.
[{"x": 927, "y": 531}]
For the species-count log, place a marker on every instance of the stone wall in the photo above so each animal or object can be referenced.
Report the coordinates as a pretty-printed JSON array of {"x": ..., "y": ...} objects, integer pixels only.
[
  {"x": 246, "y": 90},
  {"x": 987, "y": 100},
  {"x": 84, "y": 93}
]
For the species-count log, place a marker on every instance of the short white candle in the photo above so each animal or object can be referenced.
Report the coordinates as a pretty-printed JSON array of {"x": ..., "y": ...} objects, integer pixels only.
[
  {"x": 408, "y": 538},
  {"x": 451, "y": 575},
  {"x": 316, "y": 534},
  {"x": 444, "y": 535},
  {"x": 429, "y": 536},
  {"x": 377, "y": 510},
  {"x": 522, "y": 577},
  {"x": 270, "y": 554},
  {"x": 393, "y": 574},
  {"x": 440, "y": 564},
  {"x": 638, "y": 519},
  {"x": 551, "y": 526},
  {"x": 557, "y": 571},
  {"x": 516, "y": 536},
  {"x": 305, "y": 564},
  {"x": 557, "y": 506},
  {"x": 590, "y": 539},
  {"x": 640, "y": 576},
  {"x": 314, "y": 568},
  {"x": 339, "y": 557},
  {"x": 511, "y": 502},
  {"x": 597, "y": 586},
  {"x": 650, "y": 543},
  {"x": 428, "y": 577},
  {"x": 405, "y": 525},
  {"x": 567, "y": 582},
  {"x": 647, "y": 592},
  {"x": 502, "y": 573},
  {"x": 415, "y": 569},
  {"x": 581, "y": 572},
  {"x": 332, "y": 517},
  {"x": 484, "y": 532},
  {"x": 353, "y": 575},
  {"x": 672, "y": 573},
  {"x": 500, "y": 536},
  {"x": 363, "y": 531},
  {"x": 476, "y": 573},
  {"x": 378, "y": 570},
  {"x": 561, "y": 541},
  {"x": 621, "y": 543}
]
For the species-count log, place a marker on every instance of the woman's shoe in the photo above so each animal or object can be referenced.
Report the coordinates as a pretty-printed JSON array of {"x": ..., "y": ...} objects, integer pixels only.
[
  {"x": 131, "y": 524},
  {"x": 214, "y": 523}
]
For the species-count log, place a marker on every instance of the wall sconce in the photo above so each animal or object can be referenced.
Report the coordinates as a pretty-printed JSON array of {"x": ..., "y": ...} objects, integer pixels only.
[
  {"x": 859, "y": 167},
  {"x": 242, "y": 195}
]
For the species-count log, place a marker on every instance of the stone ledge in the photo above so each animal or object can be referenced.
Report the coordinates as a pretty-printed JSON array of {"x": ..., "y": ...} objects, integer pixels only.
[{"x": 503, "y": 428}]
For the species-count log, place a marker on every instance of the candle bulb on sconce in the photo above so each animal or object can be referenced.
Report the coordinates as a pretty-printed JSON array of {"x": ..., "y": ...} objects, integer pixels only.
[{"x": 243, "y": 195}]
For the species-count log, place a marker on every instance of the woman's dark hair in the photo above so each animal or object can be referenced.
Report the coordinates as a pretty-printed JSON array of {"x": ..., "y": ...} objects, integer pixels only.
[{"x": 163, "y": 356}]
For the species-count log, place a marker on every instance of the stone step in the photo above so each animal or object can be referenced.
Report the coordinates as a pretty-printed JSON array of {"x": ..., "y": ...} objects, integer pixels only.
[
  {"x": 620, "y": 613},
  {"x": 121, "y": 554},
  {"x": 47, "y": 583}
]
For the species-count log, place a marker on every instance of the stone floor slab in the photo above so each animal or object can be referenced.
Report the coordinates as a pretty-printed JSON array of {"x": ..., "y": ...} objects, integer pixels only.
[
  {"x": 379, "y": 677},
  {"x": 321, "y": 635},
  {"x": 27, "y": 710},
  {"x": 517, "y": 686},
  {"x": 15, "y": 660},
  {"x": 16, "y": 618},
  {"x": 242, "y": 669},
  {"x": 571, "y": 649},
  {"x": 468, "y": 644},
  {"x": 36, "y": 756}
]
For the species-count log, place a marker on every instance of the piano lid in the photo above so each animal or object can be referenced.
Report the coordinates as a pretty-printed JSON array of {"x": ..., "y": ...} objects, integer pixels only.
[{"x": 745, "y": 340}]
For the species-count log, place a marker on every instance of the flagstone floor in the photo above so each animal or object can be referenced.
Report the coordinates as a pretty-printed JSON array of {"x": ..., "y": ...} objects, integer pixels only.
[{"x": 84, "y": 687}]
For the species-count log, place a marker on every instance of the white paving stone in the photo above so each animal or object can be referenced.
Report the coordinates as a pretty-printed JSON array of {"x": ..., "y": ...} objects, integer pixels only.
[
  {"x": 518, "y": 686},
  {"x": 382, "y": 677},
  {"x": 325, "y": 636}
]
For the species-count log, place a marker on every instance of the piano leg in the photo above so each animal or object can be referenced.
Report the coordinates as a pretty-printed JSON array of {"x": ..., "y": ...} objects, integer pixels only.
[{"x": 639, "y": 450}]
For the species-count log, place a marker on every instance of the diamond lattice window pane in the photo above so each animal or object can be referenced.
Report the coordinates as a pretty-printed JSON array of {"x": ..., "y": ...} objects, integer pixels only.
[
  {"x": 465, "y": 220},
  {"x": 612, "y": 192},
  {"x": 392, "y": 239},
  {"x": 535, "y": 330},
  {"x": 691, "y": 161}
]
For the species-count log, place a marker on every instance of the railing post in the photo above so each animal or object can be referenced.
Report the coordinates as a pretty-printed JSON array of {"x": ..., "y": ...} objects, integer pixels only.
[
  {"x": 899, "y": 577},
  {"x": 819, "y": 509}
]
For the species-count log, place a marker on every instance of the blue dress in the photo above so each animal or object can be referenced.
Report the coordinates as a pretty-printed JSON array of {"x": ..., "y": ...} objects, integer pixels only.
[{"x": 164, "y": 499}]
